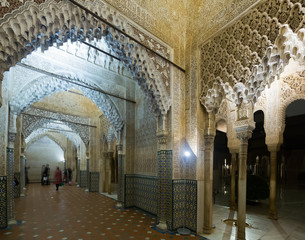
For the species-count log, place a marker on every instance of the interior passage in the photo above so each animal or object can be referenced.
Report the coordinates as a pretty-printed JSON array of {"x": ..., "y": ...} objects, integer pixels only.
[{"x": 71, "y": 213}]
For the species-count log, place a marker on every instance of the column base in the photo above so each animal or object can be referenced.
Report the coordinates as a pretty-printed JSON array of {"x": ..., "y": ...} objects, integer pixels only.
[
  {"x": 24, "y": 188},
  {"x": 22, "y": 195},
  {"x": 77, "y": 185},
  {"x": 162, "y": 225},
  {"x": 12, "y": 222},
  {"x": 273, "y": 215},
  {"x": 207, "y": 230},
  {"x": 119, "y": 204},
  {"x": 87, "y": 190}
]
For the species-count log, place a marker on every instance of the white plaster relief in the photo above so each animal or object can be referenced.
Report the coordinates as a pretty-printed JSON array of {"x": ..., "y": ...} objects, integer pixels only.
[{"x": 133, "y": 57}]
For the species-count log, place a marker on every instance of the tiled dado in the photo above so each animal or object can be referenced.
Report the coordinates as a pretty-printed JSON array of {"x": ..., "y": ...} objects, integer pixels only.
[
  {"x": 141, "y": 191},
  {"x": 164, "y": 176},
  {"x": 94, "y": 182},
  {"x": 185, "y": 204},
  {"x": 83, "y": 178},
  {"x": 3, "y": 202}
]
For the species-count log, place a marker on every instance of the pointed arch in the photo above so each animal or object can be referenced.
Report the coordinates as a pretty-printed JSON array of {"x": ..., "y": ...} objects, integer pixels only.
[{"x": 40, "y": 26}]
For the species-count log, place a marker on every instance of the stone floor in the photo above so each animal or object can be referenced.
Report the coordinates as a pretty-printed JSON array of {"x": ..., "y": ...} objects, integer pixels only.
[
  {"x": 290, "y": 224},
  {"x": 72, "y": 213}
]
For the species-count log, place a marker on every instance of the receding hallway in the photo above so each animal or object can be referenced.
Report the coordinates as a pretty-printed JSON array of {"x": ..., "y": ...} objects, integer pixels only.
[{"x": 71, "y": 213}]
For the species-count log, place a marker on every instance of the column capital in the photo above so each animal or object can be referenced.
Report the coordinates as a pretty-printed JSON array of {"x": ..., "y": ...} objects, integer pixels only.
[
  {"x": 208, "y": 141},
  {"x": 244, "y": 129},
  {"x": 119, "y": 147},
  {"x": 162, "y": 138},
  {"x": 273, "y": 147}
]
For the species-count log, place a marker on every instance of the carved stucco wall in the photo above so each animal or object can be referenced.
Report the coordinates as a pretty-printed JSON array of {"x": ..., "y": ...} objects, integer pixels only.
[
  {"x": 146, "y": 140},
  {"x": 47, "y": 17},
  {"x": 33, "y": 86},
  {"x": 244, "y": 58}
]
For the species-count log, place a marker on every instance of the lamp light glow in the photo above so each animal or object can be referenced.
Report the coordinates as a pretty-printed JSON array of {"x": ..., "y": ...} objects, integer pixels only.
[{"x": 187, "y": 154}]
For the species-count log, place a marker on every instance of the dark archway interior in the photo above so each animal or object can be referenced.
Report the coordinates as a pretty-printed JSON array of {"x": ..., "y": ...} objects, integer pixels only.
[
  {"x": 221, "y": 174},
  {"x": 257, "y": 149},
  {"x": 292, "y": 159}
]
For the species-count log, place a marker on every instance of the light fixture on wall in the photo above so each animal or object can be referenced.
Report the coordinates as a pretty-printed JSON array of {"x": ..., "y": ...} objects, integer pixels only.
[{"x": 184, "y": 230}]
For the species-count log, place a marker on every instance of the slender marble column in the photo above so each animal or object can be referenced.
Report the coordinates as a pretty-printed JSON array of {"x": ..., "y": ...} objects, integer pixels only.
[
  {"x": 243, "y": 134},
  {"x": 233, "y": 183},
  {"x": 121, "y": 176},
  {"x": 109, "y": 156},
  {"x": 208, "y": 183},
  {"x": 273, "y": 149},
  {"x": 88, "y": 175},
  {"x": 164, "y": 181}
]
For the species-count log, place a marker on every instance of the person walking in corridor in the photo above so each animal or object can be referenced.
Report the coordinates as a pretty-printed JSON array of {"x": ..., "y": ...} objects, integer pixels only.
[{"x": 57, "y": 177}]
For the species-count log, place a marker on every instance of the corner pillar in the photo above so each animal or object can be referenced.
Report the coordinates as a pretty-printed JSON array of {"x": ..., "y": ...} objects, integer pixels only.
[{"x": 164, "y": 178}]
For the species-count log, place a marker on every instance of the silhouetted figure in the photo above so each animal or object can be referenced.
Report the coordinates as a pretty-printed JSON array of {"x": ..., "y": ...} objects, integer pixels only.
[
  {"x": 42, "y": 174},
  {"x": 69, "y": 176},
  {"x": 57, "y": 177},
  {"x": 47, "y": 174}
]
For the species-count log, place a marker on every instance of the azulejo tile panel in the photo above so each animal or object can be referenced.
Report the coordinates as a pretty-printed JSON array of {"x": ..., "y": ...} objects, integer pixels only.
[
  {"x": 83, "y": 178},
  {"x": 3, "y": 201},
  {"x": 165, "y": 186},
  {"x": 94, "y": 181},
  {"x": 141, "y": 192},
  {"x": 185, "y": 204}
]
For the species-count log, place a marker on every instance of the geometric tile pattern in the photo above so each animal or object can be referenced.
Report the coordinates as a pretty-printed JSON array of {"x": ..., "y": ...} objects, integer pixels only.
[
  {"x": 94, "y": 182},
  {"x": 72, "y": 214},
  {"x": 185, "y": 204},
  {"x": 121, "y": 178},
  {"x": 10, "y": 186},
  {"x": 164, "y": 175},
  {"x": 141, "y": 192},
  {"x": 83, "y": 178},
  {"x": 17, "y": 187},
  {"x": 3, "y": 202}
]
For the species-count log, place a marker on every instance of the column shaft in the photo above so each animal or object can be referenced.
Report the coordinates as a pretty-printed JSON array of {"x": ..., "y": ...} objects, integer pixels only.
[
  {"x": 272, "y": 198},
  {"x": 208, "y": 183},
  {"x": 233, "y": 182},
  {"x": 242, "y": 189}
]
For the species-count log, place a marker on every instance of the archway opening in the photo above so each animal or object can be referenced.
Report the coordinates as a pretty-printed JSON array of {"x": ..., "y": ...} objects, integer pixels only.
[
  {"x": 292, "y": 164},
  {"x": 221, "y": 165},
  {"x": 42, "y": 152}
]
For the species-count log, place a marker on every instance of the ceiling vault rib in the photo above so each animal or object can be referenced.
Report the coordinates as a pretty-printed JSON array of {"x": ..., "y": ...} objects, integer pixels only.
[
  {"x": 71, "y": 81},
  {"x": 83, "y": 124},
  {"x": 124, "y": 33}
]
